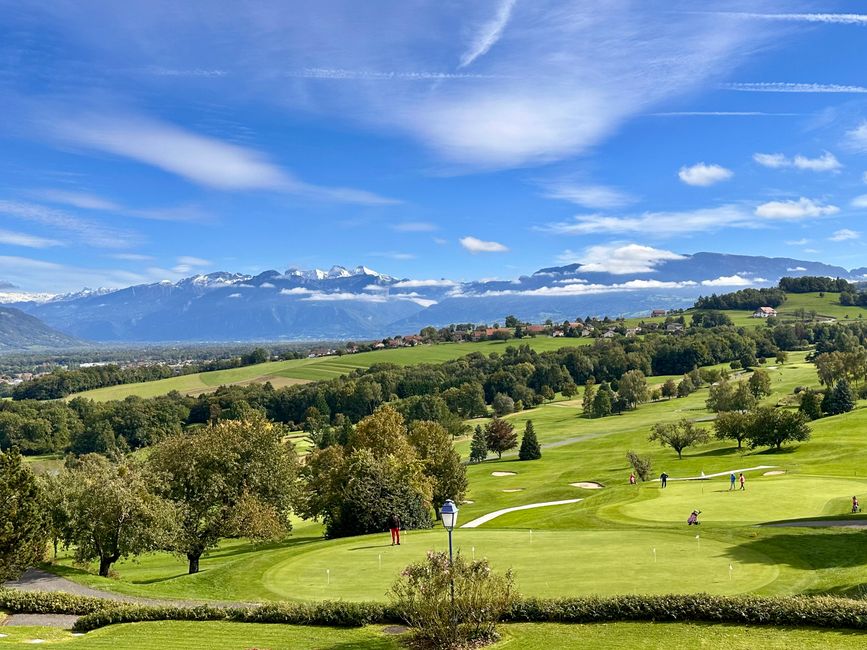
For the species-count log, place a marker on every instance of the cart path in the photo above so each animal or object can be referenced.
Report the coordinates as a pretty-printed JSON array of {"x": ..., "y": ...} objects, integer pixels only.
[{"x": 475, "y": 523}]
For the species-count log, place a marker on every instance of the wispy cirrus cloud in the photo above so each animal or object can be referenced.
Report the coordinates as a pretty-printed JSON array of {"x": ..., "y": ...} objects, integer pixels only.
[
  {"x": 789, "y": 87},
  {"x": 11, "y": 238},
  {"x": 587, "y": 195},
  {"x": 827, "y": 162},
  {"x": 415, "y": 226},
  {"x": 475, "y": 245},
  {"x": 723, "y": 114},
  {"x": 704, "y": 175},
  {"x": 337, "y": 74},
  {"x": 656, "y": 223},
  {"x": 200, "y": 159},
  {"x": 826, "y": 18},
  {"x": 90, "y": 201},
  {"x": 84, "y": 231},
  {"x": 489, "y": 33}
]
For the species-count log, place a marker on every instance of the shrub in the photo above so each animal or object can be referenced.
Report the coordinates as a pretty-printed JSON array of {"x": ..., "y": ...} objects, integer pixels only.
[
  {"x": 44, "y": 602},
  {"x": 421, "y": 597},
  {"x": 641, "y": 464}
]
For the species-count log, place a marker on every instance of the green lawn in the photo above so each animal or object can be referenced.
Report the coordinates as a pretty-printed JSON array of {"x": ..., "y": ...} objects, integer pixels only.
[
  {"x": 609, "y": 636},
  {"x": 283, "y": 373}
]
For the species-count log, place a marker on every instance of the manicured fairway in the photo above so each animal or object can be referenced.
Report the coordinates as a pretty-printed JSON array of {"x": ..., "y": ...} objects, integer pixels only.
[{"x": 607, "y": 636}]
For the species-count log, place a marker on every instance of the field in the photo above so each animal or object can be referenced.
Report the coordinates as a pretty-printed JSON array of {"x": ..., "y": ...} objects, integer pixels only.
[{"x": 294, "y": 371}]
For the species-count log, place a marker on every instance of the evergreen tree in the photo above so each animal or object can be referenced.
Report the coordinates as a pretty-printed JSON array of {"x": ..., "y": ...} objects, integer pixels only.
[
  {"x": 478, "y": 446},
  {"x": 602, "y": 402},
  {"x": 530, "y": 449},
  {"x": 23, "y": 528},
  {"x": 840, "y": 399},
  {"x": 810, "y": 405},
  {"x": 589, "y": 395}
]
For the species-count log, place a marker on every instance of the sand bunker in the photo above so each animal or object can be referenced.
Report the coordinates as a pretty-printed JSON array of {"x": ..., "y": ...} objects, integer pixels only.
[
  {"x": 776, "y": 472},
  {"x": 502, "y": 473},
  {"x": 467, "y": 503},
  {"x": 514, "y": 490},
  {"x": 587, "y": 485}
]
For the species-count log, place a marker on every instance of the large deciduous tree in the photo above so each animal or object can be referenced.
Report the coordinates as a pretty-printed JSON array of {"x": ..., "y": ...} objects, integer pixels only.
[
  {"x": 633, "y": 388},
  {"x": 500, "y": 436},
  {"x": 23, "y": 529},
  {"x": 732, "y": 425},
  {"x": 355, "y": 488},
  {"x": 441, "y": 462},
  {"x": 235, "y": 478},
  {"x": 770, "y": 427},
  {"x": 678, "y": 435},
  {"x": 111, "y": 512},
  {"x": 759, "y": 384}
]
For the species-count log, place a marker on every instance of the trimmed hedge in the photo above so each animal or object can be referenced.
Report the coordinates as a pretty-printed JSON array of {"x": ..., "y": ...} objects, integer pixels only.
[
  {"x": 53, "y": 602},
  {"x": 813, "y": 611},
  {"x": 817, "y": 611}
]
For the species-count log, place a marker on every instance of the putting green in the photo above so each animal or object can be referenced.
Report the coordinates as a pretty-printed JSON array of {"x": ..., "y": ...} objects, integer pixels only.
[
  {"x": 765, "y": 499},
  {"x": 546, "y": 563}
]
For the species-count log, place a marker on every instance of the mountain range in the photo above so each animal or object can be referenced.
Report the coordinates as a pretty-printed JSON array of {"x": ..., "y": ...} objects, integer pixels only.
[
  {"x": 360, "y": 303},
  {"x": 20, "y": 331}
]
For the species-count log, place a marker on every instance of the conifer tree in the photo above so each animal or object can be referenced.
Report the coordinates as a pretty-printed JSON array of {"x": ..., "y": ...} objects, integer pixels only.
[
  {"x": 530, "y": 449},
  {"x": 478, "y": 446}
]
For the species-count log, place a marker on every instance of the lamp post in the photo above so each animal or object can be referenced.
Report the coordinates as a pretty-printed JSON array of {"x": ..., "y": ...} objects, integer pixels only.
[{"x": 449, "y": 514}]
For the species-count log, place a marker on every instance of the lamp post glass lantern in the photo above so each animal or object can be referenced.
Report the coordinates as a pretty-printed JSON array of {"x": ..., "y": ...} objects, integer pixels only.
[{"x": 449, "y": 514}]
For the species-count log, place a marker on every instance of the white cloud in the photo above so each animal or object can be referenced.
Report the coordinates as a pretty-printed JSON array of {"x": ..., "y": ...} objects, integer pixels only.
[
  {"x": 836, "y": 19},
  {"x": 859, "y": 201},
  {"x": 479, "y": 246},
  {"x": 797, "y": 268},
  {"x": 703, "y": 175},
  {"x": 589, "y": 196},
  {"x": 193, "y": 261},
  {"x": 131, "y": 257},
  {"x": 864, "y": 177},
  {"x": 234, "y": 295},
  {"x": 414, "y": 284},
  {"x": 803, "y": 208},
  {"x": 296, "y": 291},
  {"x": 200, "y": 159},
  {"x": 414, "y": 226},
  {"x": 267, "y": 285},
  {"x": 858, "y": 140},
  {"x": 773, "y": 160},
  {"x": 489, "y": 34},
  {"x": 85, "y": 231},
  {"x": 657, "y": 223},
  {"x": 28, "y": 241},
  {"x": 394, "y": 255},
  {"x": 786, "y": 87},
  {"x": 798, "y": 242},
  {"x": 345, "y": 296},
  {"x": 844, "y": 234},
  {"x": 827, "y": 162},
  {"x": 81, "y": 200},
  {"x": 727, "y": 281},
  {"x": 619, "y": 260},
  {"x": 722, "y": 114},
  {"x": 584, "y": 289}
]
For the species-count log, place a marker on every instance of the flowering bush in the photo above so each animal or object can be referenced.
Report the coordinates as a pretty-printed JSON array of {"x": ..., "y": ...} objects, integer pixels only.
[{"x": 422, "y": 597}]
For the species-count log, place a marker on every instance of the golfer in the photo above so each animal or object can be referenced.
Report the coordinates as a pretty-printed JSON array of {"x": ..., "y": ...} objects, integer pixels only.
[
  {"x": 742, "y": 479},
  {"x": 732, "y": 479},
  {"x": 663, "y": 478},
  {"x": 394, "y": 526}
]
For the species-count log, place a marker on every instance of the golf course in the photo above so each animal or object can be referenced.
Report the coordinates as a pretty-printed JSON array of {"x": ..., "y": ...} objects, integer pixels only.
[{"x": 568, "y": 525}]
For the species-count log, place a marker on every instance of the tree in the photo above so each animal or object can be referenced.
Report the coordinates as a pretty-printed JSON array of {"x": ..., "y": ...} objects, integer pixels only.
[
  {"x": 641, "y": 464},
  {"x": 23, "y": 529},
  {"x": 678, "y": 435},
  {"x": 633, "y": 388},
  {"x": 685, "y": 387},
  {"x": 530, "y": 449},
  {"x": 732, "y": 425},
  {"x": 441, "y": 463},
  {"x": 232, "y": 478},
  {"x": 725, "y": 396},
  {"x": 770, "y": 427},
  {"x": 669, "y": 388},
  {"x": 569, "y": 388},
  {"x": 112, "y": 512},
  {"x": 603, "y": 402},
  {"x": 478, "y": 446},
  {"x": 503, "y": 404},
  {"x": 760, "y": 384},
  {"x": 810, "y": 405},
  {"x": 500, "y": 436},
  {"x": 589, "y": 396},
  {"x": 840, "y": 399}
]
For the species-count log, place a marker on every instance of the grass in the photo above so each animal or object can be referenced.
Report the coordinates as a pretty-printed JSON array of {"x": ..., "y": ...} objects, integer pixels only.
[
  {"x": 610, "y": 636},
  {"x": 283, "y": 373}
]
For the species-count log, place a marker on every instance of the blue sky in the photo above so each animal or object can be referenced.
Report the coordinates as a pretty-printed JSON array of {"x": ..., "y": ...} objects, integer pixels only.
[{"x": 149, "y": 141}]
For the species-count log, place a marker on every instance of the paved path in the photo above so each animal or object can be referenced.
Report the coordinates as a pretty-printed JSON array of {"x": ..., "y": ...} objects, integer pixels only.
[
  {"x": 726, "y": 473},
  {"x": 475, "y": 523},
  {"x": 39, "y": 580},
  {"x": 63, "y": 621}
]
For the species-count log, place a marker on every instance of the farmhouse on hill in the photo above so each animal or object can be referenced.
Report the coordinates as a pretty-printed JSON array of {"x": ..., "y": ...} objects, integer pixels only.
[{"x": 764, "y": 312}]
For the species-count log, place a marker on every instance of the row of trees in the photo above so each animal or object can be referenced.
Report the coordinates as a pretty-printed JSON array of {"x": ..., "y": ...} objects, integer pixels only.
[{"x": 499, "y": 436}]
